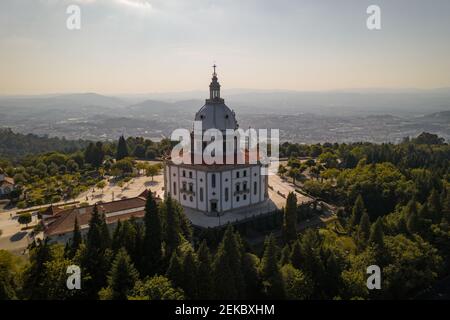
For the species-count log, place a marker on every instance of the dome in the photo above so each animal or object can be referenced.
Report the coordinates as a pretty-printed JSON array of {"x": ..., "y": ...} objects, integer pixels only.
[
  {"x": 217, "y": 116},
  {"x": 215, "y": 113}
]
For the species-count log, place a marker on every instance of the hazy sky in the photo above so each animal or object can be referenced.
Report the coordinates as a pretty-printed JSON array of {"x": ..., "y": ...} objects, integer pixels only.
[{"x": 138, "y": 46}]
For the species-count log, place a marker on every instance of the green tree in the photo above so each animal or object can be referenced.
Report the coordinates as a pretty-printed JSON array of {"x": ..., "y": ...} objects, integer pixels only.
[
  {"x": 227, "y": 268},
  {"x": 297, "y": 285},
  {"x": 156, "y": 288},
  {"x": 34, "y": 274},
  {"x": 152, "y": 246},
  {"x": 296, "y": 255},
  {"x": 24, "y": 218},
  {"x": 377, "y": 233},
  {"x": 122, "y": 278},
  {"x": 205, "y": 279},
  {"x": 9, "y": 275},
  {"x": 357, "y": 211},
  {"x": 96, "y": 256},
  {"x": 76, "y": 239},
  {"x": 270, "y": 271},
  {"x": 172, "y": 232},
  {"x": 290, "y": 218},
  {"x": 122, "y": 149},
  {"x": 190, "y": 275}
]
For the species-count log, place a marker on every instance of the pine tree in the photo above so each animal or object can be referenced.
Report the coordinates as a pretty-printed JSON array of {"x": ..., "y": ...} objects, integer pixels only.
[
  {"x": 76, "y": 239},
  {"x": 270, "y": 271},
  {"x": 152, "y": 254},
  {"x": 435, "y": 206},
  {"x": 34, "y": 275},
  {"x": 357, "y": 212},
  {"x": 172, "y": 226},
  {"x": 122, "y": 149},
  {"x": 190, "y": 275},
  {"x": 228, "y": 278},
  {"x": 412, "y": 217},
  {"x": 296, "y": 255},
  {"x": 122, "y": 277},
  {"x": 289, "y": 229},
  {"x": 364, "y": 225},
  {"x": 285, "y": 256},
  {"x": 175, "y": 270},
  {"x": 250, "y": 272},
  {"x": 205, "y": 279},
  {"x": 96, "y": 257},
  {"x": 377, "y": 234}
]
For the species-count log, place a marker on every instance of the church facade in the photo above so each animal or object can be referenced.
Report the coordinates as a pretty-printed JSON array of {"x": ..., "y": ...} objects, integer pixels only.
[{"x": 215, "y": 189}]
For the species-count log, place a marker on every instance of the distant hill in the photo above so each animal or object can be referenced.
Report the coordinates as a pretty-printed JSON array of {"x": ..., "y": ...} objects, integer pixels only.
[{"x": 16, "y": 145}]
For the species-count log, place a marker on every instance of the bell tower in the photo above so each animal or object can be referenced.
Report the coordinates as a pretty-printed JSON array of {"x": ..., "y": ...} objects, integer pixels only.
[{"x": 214, "y": 89}]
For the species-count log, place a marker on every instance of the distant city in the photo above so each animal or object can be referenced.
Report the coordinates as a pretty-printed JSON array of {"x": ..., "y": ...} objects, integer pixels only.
[{"x": 302, "y": 117}]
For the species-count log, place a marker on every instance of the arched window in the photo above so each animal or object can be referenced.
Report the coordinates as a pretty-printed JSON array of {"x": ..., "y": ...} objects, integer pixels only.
[{"x": 213, "y": 180}]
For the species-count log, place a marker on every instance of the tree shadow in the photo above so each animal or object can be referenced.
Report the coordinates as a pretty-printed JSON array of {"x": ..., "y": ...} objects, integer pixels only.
[
  {"x": 18, "y": 236},
  {"x": 150, "y": 183}
]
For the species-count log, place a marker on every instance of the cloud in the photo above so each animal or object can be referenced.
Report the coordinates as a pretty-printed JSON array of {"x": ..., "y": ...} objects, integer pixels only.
[{"x": 138, "y": 4}]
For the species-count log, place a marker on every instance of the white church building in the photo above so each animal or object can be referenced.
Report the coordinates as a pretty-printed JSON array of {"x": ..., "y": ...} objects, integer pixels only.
[{"x": 215, "y": 189}]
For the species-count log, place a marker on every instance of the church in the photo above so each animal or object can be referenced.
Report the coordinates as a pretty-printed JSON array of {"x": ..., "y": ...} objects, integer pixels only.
[{"x": 218, "y": 188}]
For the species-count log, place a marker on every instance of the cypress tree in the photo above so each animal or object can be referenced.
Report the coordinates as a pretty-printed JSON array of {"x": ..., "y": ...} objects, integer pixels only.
[
  {"x": 190, "y": 274},
  {"x": 270, "y": 271},
  {"x": 289, "y": 228},
  {"x": 76, "y": 239},
  {"x": 250, "y": 271},
  {"x": 296, "y": 255},
  {"x": 205, "y": 279},
  {"x": 172, "y": 226},
  {"x": 357, "y": 212},
  {"x": 152, "y": 254},
  {"x": 122, "y": 277},
  {"x": 228, "y": 278},
  {"x": 377, "y": 234},
  {"x": 95, "y": 260},
  {"x": 285, "y": 256},
  {"x": 175, "y": 270},
  {"x": 363, "y": 231},
  {"x": 34, "y": 275},
  {"x": 434, "y": 205},
  {"x": 122, "y": 148}
]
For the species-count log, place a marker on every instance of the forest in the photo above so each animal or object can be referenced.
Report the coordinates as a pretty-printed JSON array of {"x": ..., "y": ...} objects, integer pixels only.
[{"x": 393, "y": 211}]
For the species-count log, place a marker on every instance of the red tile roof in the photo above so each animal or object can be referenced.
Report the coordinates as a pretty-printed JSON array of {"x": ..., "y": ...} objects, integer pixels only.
[{"x": 124, "y": 209}]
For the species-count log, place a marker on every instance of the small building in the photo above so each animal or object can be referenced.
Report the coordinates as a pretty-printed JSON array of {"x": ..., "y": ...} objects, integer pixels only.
[
  {"x": 6, "y": 184},
  {"x": 59, "y": 223}
]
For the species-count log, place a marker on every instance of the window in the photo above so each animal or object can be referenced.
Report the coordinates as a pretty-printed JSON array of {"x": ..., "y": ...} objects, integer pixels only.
[
  {"x": 237, "y": 199},
  {"x": 245, "y": 197},
  {"x": 191, "y": 187},
  {"x": 238, "y": 187},
  {"x": 184, "y": 197},
  {"x": 245, "y": 173},
  {"x": 245, "y": 185},
  {"x": 237, "y": 174},
  {"x": 201, "y": 194},
  {"x": 184, "y": 186},
  {"x": 184, "y": 173},
  {"x": 190, "y": 174},
  {"x": 226, "y": 194},
  {"x": 255, "y": 188},
  {"x": 174, "y": 188},
  {"x": 191, "y": 199},
  {"x": 213, "y": 180}
]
